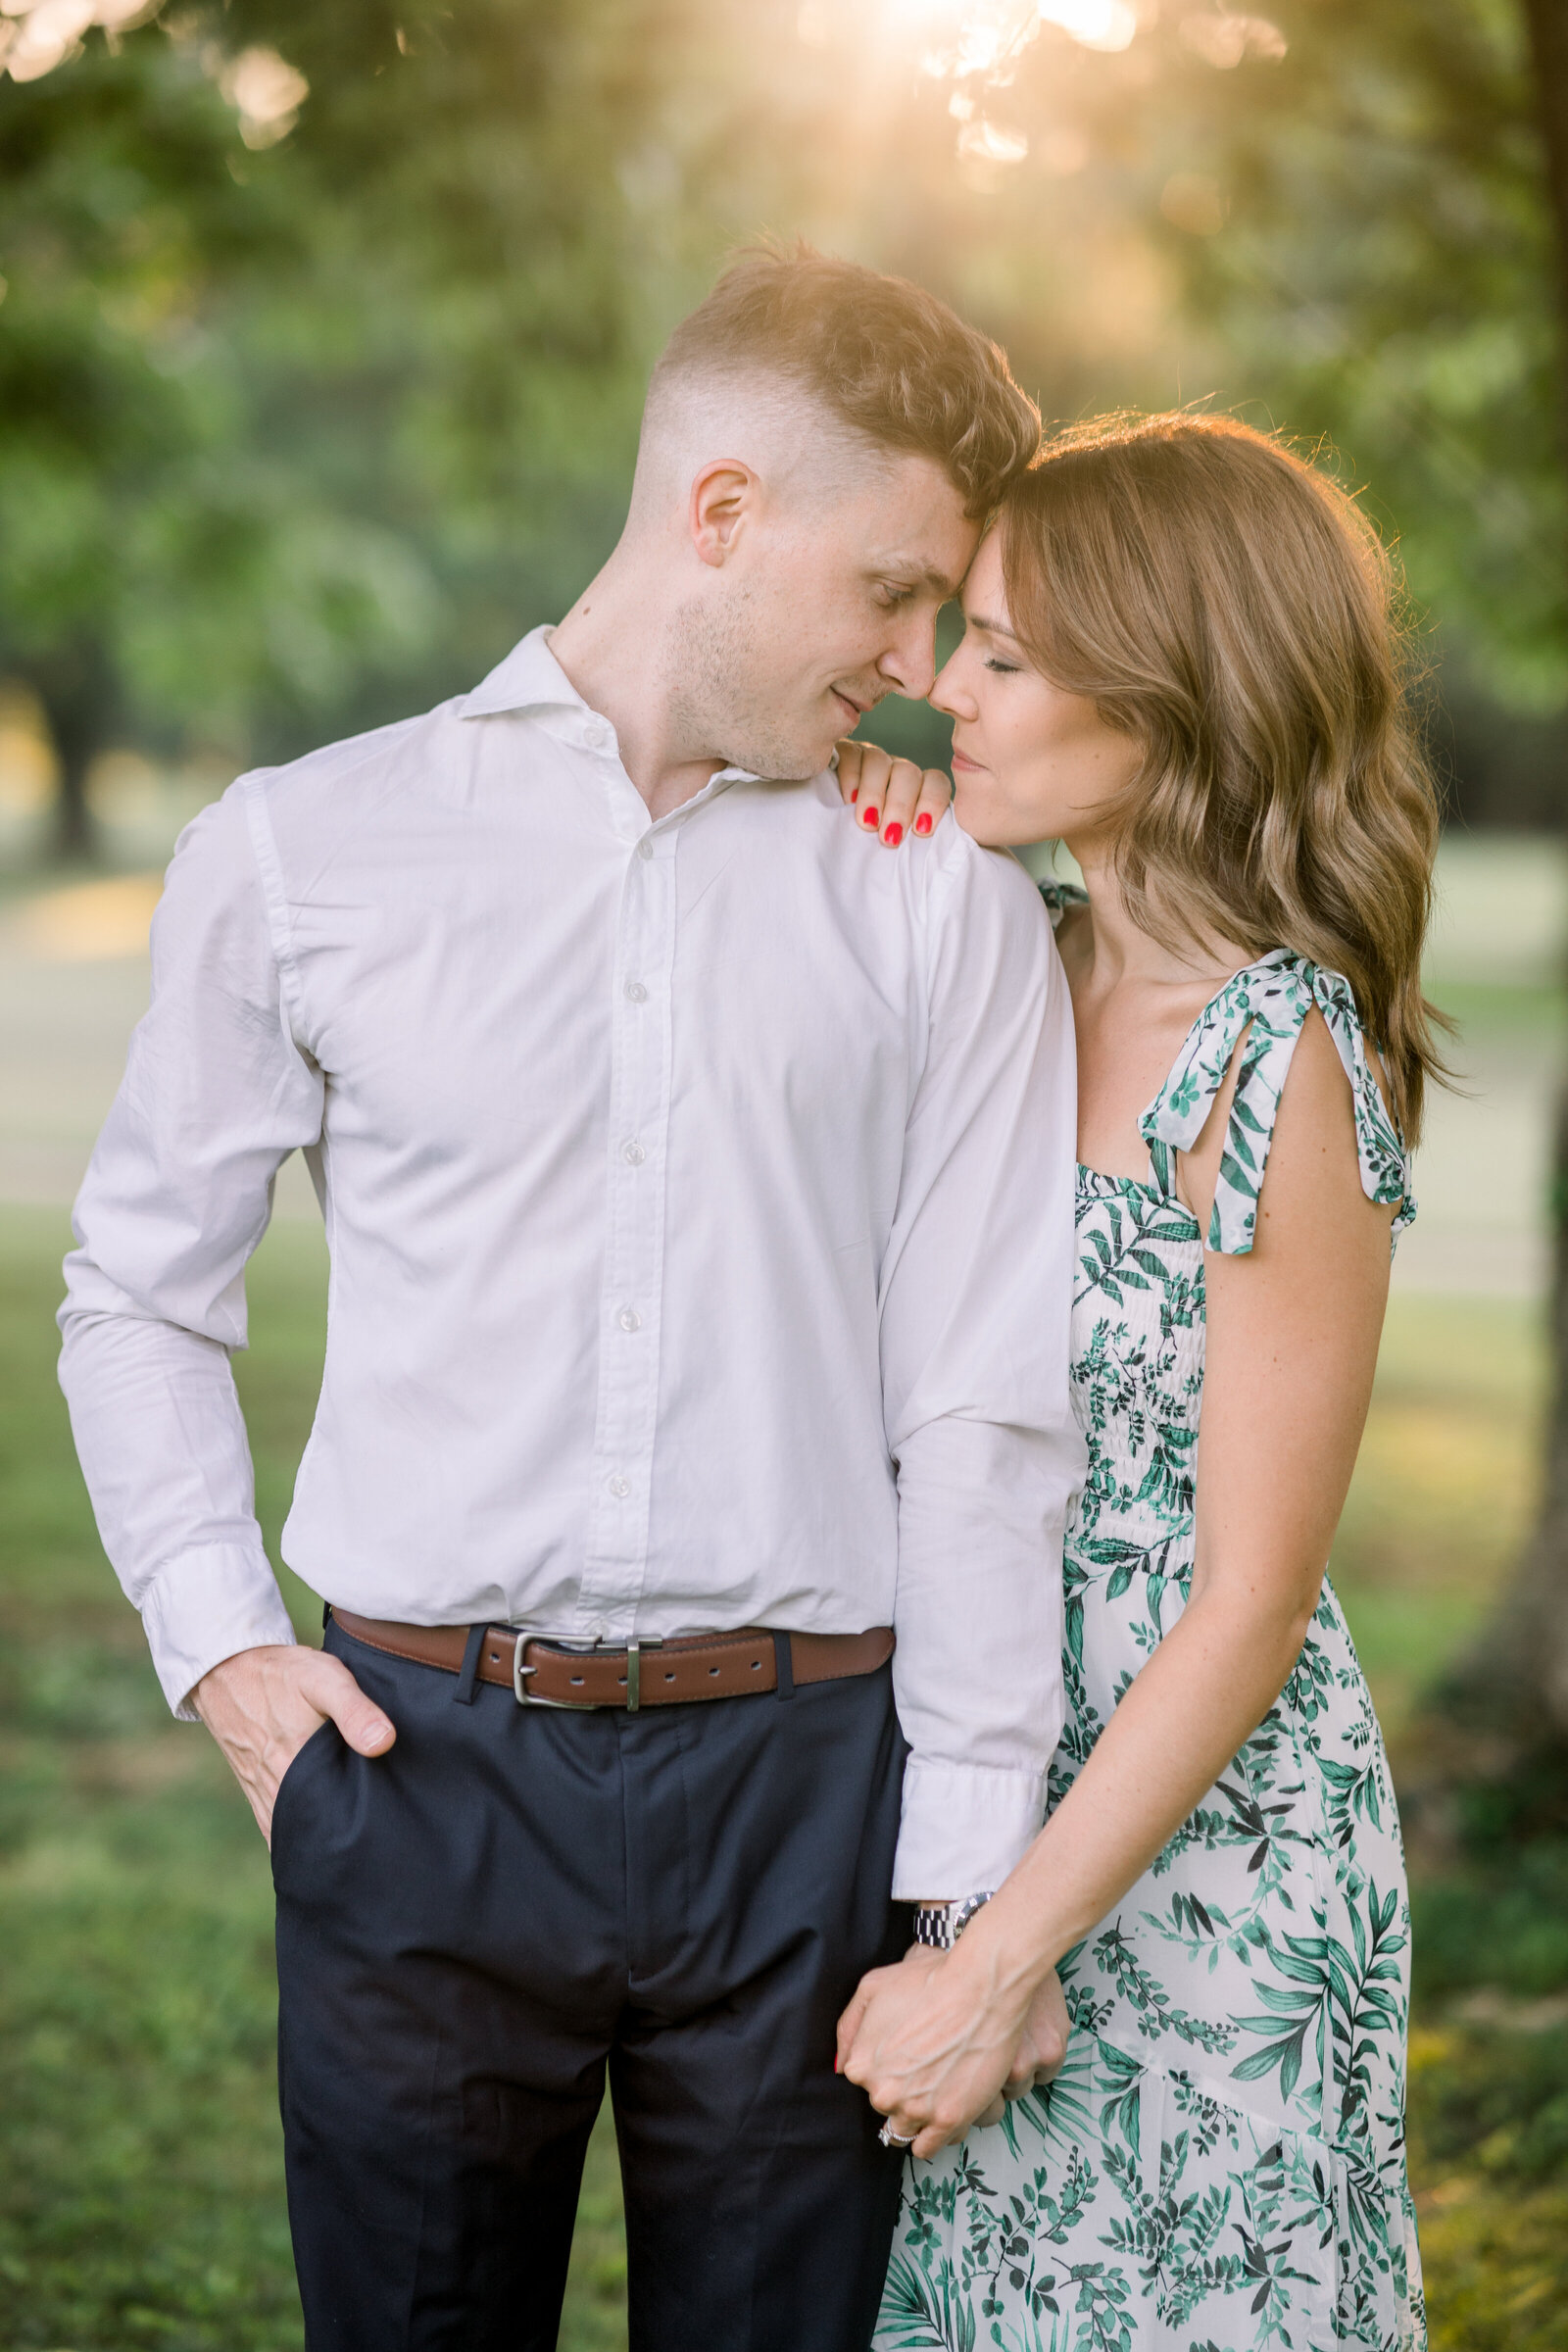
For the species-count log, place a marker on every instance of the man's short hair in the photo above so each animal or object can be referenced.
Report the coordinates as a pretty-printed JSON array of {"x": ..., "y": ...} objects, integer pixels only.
[{"x": 888, "y": 358}]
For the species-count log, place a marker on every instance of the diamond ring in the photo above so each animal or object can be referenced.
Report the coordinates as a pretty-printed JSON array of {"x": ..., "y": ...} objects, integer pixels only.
[{"x": 890, "y": 2138}]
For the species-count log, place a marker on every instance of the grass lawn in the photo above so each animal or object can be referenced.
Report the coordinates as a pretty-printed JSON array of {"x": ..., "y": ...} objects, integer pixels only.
[{"x": 140, "y": 2175}]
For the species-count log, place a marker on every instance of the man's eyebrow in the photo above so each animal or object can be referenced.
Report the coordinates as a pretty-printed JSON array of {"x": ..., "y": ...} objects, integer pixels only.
[{"x": 911, "y": 569}]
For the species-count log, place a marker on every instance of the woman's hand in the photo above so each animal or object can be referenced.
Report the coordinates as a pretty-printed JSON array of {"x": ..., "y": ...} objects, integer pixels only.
[
  {"x": 938, "y": 2046},
  {"x": 892, "y": 797}
]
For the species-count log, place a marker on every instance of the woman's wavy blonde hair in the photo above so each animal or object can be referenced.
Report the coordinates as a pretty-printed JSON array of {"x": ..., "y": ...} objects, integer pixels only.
[{"x": 1227, "y": 605}]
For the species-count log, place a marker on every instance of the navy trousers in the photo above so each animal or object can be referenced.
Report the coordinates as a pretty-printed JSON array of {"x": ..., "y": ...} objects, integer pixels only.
[{"x": 474, "y": 1928}]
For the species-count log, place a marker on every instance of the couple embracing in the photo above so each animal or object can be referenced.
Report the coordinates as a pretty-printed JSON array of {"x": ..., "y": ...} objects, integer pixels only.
[{"x": 842, "y": 1372}]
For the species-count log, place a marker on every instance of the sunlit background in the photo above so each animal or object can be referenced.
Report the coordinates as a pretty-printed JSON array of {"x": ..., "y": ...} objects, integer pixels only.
[{"x": 322, "y": 331}]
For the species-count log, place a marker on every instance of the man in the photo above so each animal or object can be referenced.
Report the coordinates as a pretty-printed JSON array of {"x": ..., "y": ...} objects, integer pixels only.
[{"x": 697, "y": 1186}]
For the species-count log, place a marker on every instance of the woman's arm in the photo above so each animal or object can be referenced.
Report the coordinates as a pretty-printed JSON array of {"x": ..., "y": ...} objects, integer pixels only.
[{"x": 1293, "y": 1339}]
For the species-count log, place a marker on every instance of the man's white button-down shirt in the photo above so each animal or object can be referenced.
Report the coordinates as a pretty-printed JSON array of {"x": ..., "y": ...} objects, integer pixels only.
[{"x": 699, "y": 1204}]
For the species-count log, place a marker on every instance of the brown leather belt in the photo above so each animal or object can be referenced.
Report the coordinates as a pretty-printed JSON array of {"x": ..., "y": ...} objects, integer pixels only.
[{"x": 641, "y": 1674}]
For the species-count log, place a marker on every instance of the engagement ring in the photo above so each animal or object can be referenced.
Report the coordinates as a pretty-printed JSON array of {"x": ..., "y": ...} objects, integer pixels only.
[{"x": 890, "y": 2139}]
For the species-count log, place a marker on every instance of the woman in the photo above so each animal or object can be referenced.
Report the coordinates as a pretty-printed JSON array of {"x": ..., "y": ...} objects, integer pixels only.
[{"x": 1179, "y": 659}]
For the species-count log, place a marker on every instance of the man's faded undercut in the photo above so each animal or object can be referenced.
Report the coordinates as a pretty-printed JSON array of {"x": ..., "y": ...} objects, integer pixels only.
[{"x": 888, "y": 360}]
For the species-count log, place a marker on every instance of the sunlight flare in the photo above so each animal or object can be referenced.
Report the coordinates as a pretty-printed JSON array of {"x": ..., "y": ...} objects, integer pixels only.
[{"x": 957, "y": 39}]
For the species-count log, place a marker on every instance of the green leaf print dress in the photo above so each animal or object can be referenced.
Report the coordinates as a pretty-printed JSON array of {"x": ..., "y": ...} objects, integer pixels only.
[{"x": 1219, "y": 2167}]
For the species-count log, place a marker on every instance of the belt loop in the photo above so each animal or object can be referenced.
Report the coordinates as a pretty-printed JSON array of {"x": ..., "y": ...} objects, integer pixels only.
[
  {"x": 468, "y": 1679},
  {"x": 784, "y": 1665},
  {"x": 326, "y": 1615}
]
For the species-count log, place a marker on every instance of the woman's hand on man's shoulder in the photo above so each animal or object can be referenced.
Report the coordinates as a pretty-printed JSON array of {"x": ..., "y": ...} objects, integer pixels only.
[{"x": 892, "y": 797}]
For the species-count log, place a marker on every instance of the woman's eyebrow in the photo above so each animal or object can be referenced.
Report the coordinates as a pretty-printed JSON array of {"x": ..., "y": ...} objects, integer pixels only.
[{"x": 992, "y": 628}]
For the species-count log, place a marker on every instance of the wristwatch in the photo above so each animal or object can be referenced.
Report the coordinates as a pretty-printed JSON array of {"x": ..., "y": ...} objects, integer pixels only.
[{"x": 940, "y": 1924}]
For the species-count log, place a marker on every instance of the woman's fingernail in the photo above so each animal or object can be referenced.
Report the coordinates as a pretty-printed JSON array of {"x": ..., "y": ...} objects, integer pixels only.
[
  {"x": 855, "y": 796},
  {"x": 869, "y": 818},
  {"x": 893, "y": 836},
  {"x": 922, "y": 823},
  {"x": 837, "y": 2068}
]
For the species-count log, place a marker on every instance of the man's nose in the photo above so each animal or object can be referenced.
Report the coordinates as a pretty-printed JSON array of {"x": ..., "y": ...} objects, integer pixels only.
[{"x": 911, "y": 661}]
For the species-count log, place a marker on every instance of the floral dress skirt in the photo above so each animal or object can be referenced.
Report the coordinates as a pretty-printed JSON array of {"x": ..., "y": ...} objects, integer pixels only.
[{"x": 1220, "y": 2165}]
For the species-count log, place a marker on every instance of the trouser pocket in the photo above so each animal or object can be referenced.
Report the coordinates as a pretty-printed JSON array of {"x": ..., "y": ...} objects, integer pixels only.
[{"x": 293, "y": 1790}]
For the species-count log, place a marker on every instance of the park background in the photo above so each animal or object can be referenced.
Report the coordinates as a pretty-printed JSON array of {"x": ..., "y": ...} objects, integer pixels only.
[{"x": 322, "y": 332}]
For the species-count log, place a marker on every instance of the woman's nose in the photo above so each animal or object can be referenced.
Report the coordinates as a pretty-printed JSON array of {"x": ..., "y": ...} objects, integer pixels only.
[{"x": 947, "y": 695}]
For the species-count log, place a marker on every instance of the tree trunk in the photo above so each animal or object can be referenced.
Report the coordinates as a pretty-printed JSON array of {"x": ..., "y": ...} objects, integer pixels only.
[
  {"x": 1516, "y": 1678},
  {"x": 76, "y": 684},
  {"x": 1548, "y": 42}
]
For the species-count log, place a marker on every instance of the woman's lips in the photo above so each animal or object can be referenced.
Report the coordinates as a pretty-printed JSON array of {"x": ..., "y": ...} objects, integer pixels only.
[{"x": 962, "y": 760}]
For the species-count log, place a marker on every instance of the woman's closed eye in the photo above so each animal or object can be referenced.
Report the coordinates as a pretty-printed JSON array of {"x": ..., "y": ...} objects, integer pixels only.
[{"x": 1005, "y": 669}]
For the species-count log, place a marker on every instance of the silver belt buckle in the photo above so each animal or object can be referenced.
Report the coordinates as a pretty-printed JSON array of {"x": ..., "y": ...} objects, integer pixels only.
[
  {"x": 580, "y": 1707},
  {"x": 520, "y": 1672}
]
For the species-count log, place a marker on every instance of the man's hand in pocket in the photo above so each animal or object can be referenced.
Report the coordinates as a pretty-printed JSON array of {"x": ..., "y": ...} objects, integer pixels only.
[{"x": 261, "y": 1705}]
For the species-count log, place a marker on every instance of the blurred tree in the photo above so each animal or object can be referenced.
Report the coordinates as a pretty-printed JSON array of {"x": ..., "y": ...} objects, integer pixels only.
[
  {"x": 104, "y": 410},
  {"x": 1379, "y": 269},
  {"x": 158, "y": 562},
  {"x": 297, "y": 429},
  {"x": 1337, "y": 222},
  {"x": 290, "y": 423}
]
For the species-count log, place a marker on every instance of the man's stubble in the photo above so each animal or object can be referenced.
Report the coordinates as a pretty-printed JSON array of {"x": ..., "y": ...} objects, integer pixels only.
[{"x": 724, "y": 696}]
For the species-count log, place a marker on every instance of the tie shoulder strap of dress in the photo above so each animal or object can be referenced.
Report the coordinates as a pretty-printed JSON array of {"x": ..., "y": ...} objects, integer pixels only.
[
  {"x": 1059, "y": 897},
  {"x": 1269, "y": 1002}
]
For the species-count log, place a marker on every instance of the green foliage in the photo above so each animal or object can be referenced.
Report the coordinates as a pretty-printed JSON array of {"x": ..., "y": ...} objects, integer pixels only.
[
  {"x": 1506, "y": 2098},
  {"x": 1388, "y": 278},
  {"x": 293, "y": 438},
  {"x": 1490, "y": 2137},
  {"x": 1502, "y": 1918},
  {"x": 153, "y": 552},
  {"x": 278, "y": 428},
  {"x": 1350, "y": 240}
]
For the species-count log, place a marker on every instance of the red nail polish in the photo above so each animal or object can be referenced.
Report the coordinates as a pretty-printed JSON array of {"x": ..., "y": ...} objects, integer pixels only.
[
  {"x": 893, "y": 836},
  {"x": 836, "y": 2068},
  {"x": 869, "y": 818},
  {"x": 855, "y": 796},
  {"x": 922, "y": 823}
]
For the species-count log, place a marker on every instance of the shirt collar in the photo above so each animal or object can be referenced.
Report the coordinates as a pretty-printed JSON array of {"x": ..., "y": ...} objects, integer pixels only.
[{"x": 529, "y": 678}]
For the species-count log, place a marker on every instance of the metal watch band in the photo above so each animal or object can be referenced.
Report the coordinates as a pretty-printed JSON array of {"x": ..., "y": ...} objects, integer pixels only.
[{"x": 940, "y": 1924}]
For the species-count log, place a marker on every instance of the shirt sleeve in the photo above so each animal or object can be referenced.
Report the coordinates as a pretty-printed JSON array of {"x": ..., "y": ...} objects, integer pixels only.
[
  {"x": 976, "y": 1301},
  {"x": 216, "y": 1096}
]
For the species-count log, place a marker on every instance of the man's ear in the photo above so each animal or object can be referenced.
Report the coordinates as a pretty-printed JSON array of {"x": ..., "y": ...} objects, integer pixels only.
[{"x": 723, "y": 494}]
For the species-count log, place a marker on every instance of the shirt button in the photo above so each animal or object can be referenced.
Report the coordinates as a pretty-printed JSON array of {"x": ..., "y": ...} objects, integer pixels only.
[
  {"x": 620, "y": 1487},
  {"x": 633, "y": 1154},
  {"x": 630, "y": 1319},
  {"x": 645, "y": 847},
  {"x": 636, "y": 994}
]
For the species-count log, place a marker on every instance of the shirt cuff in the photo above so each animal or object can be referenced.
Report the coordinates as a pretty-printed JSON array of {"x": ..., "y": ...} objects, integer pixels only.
[
  {"x": 202, "y": 1607},
  {"x": 963, "y": 1828}
]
